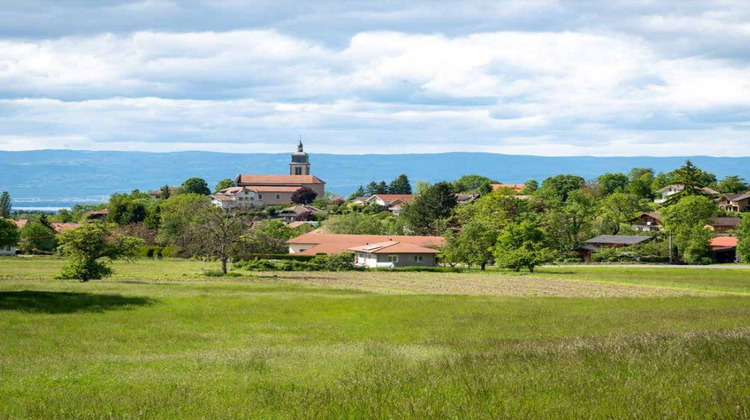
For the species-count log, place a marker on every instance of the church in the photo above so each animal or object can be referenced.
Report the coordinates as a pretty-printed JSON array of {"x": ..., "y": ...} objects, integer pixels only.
[{"x": 257, "y": 191}]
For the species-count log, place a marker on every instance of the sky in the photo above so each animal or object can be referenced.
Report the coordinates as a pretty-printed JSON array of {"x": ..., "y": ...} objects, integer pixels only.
[{"x": 602, "y": 78}]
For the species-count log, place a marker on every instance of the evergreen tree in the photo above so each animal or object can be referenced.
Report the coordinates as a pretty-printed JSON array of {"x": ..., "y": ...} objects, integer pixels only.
[
  {"x": 400, "y": 185},
  {"x": 165, "y": 192},
  {"x": 360, "y": 192},
  {"x": 5, "y": 204}
]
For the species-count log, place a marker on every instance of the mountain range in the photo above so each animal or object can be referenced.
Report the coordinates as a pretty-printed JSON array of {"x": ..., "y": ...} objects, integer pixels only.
[{"x": 61, "y": 178}]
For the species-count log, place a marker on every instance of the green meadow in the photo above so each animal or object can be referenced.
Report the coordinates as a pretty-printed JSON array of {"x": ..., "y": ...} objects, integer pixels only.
[{"x": 160, "y": 340}]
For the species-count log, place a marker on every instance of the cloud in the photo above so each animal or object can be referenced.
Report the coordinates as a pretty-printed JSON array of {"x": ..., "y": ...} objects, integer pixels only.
[{"x": 531, "y": 77}]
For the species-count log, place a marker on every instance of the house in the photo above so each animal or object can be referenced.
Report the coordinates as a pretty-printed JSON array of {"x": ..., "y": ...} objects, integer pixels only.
[
  {"x": 594, "y": 245},
  {"x": 671, "y": 190},
  {"x": 647, "y": 222},
  {"x": 516, "y": 188},
  {"x": 314, "y": 242},
  {"x": 724, "y": 248},
  {"x": 359, "y": 200},
  {"x": 466, "y": 198},
  {"x": 234, "y": 198},
  {"x": 393, "y": 254},
  {"x": 394, "y": 203},
  {"x": 96, "y": 215},
  {"x": 734, "y": 202},
  {"x": 299, "y": 213},
  {"x": 278, "y": 189},
  {"x": 157, "y": 194},
  {"x": 724, "y": 224}
]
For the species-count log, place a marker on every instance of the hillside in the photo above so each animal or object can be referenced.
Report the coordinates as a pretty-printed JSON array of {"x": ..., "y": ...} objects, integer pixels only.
[{"x": 64, "y": 177}]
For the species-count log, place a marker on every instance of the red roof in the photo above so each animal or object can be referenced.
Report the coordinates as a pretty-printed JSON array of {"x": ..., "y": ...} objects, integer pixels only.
[
  {"x": 723, "y": 242},
  {"x": 284, "y": 180},
  {"x": 393, "y": 247},
  {"x": 329, "y": 243},
  {"x": 20, "y": 223}
]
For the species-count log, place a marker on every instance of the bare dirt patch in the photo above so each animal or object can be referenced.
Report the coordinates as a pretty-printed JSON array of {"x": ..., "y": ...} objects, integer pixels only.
[{"x": 474, "y": 284}]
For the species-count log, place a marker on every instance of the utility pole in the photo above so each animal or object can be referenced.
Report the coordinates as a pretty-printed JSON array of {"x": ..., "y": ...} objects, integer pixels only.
[{"x": 670, "y": 247}]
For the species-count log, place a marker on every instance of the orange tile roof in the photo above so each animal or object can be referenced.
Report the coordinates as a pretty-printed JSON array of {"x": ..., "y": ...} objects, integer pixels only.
[
  {"x": 723, "y": 242},
  {"x": 20, "y": 223},
  {"x": 393, "y": 247},
  {"x": 329, "y": 243},
  {"x": 255, "y": 180}
]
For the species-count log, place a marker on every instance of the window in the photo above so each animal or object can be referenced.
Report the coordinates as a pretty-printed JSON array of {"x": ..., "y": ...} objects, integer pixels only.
[
  {"x": 418, "y": 258},
  {"x": 260, "y": 196},
  {"x": 278, "y": 196},
  {"x": 393, "y": 258}
]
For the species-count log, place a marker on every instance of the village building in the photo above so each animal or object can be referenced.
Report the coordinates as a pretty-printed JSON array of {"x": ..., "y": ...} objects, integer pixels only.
[
  {"x": 157, "y": 194},
  {"x": 271, "y": 190},
  {"x": 724, "y": 225},
  {"x": 734, "y": 203},
  {"x": 596, "y": 244},
  {"x": 670, "y": 190},
  {"x": 647, "y": 222},
  {"x": 234, "y": 198},
  {"x": 394, "y": 254},
  {"x": 314, "y": 243},
  {"x": 394, "y": 203},
  {"x": 725, "y": 249},
  {"x": 300, "y": 213}
]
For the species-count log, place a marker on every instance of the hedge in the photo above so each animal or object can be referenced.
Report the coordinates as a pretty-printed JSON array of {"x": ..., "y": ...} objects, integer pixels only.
[
  {"x": 294, "y": 257},
  {"x": 153, "y": 251}
]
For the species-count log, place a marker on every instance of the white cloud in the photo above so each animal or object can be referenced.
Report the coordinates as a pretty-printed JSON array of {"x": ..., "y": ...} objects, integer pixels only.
[{"x": 591, "y": 89}]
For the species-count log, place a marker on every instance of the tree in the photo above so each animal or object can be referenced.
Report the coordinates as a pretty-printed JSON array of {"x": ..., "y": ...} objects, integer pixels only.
[
  {"x": 471, "y": 246},
  {"x": 223, "y": 184},
  {"x": 693, "y": 180},
  {"x": 561, "y": 185},
  {"x": 686, "y": 220},
  {"x": 177, "y": 215},
  {"x": 615, "y": 210},
  {"x": 743, "y": 238},
  {"x": 530, "y": 186},
  {"x": 356, "y": 224},
  {"x": 427, "y": 213},
  {"x": 125, "y": 209},
  {"x": 5, "y": 205},
  {"x": 360, "y": 192},
  {"x": 641, "y": 182},
  {"x": 165, "y": 192},
  {"x": 219, "y": 232},
  {"x": 732, "y": 184},
  {"x": 400, "y": 185},
  {"x": 195, "y": 186},
  {"x": 304, "y": 195},
  {"x": 8, "y": 233},
  {"x": 85, "y": 246},
  {"x": 611, "y": 182},
  {"x": 521, "y": 245},
  {"x": 470, "y": 183},
  {"x": 38, "y": 235},
  {"x": 421, "y": 186},
  {"x": 570, "y": 222}
]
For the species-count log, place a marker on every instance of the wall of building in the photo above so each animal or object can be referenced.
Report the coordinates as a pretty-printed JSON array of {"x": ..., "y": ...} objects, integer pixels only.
[
  {"x": 404, "y": 260},
  {"x": 5, "y": 251}
]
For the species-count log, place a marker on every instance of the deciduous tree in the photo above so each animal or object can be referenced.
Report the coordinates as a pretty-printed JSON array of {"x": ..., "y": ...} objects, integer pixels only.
[
  {"x": 304, "y": 195},
  {"x": 427, "y": 213},
  {"x": 91, "y": 247},
  {"x": 195, "y": 186},
  {"x": 8, "y": 233},
  {"x": 223, "y": 184}
]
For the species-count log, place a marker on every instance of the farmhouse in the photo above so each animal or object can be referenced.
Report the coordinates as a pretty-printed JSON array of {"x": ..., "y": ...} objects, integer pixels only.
[
  {"x": 671, "y": 190},
  {"x": 734, "y": 202},
  {"x": 724, "y": 248},
  {"x": 314, "y": 243},
  {"x": 647, "y": 222},
  {"x": 594, "y": 245},
  {"x": 267, "y": 190},
  {"x": 723, "y": 224},
  {"x": 393, "y": 254}
]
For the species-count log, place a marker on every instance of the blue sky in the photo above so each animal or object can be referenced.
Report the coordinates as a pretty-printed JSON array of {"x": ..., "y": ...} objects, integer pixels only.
[{"x": 519, "y": 77}]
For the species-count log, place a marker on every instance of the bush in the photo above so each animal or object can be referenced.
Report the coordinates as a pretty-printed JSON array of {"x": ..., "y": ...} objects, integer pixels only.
[
  {"x": 296, "y": 257},
  {"x": 219, "y": 273},
  {"x": 339, "y": 262},
  {"x": 149, "y": 251},
  {"x": 170, "y": 252}
]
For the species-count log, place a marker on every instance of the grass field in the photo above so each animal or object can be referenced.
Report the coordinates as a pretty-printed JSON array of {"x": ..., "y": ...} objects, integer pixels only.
[{"x": 161, "y": 341}]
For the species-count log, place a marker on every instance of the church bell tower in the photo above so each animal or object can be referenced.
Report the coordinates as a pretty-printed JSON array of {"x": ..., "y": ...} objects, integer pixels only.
[{"x": 300, "y": 164}]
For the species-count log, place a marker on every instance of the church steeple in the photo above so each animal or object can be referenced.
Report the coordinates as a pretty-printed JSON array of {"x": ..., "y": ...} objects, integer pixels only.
[{"x": 300, "y": 164}]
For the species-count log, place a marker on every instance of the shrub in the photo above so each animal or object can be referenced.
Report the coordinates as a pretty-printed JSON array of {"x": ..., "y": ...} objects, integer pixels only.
[
  {"x": 219, "y": 273},
  {"x": 170, "y": 252}
]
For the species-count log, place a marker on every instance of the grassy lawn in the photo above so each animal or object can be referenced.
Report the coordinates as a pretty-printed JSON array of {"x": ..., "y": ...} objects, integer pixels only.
[{"x": 160, "y": 341}]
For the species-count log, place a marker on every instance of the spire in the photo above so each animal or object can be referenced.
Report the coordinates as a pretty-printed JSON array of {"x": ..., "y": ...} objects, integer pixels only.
[{"x": 299, "y": 146}]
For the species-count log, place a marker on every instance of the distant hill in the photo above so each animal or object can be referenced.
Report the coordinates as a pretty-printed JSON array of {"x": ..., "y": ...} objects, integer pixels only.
[{"x": 66, "y": 177}]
